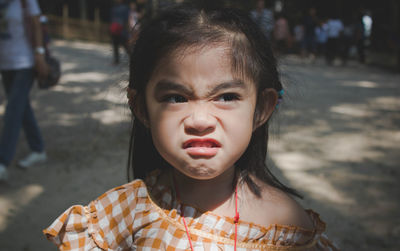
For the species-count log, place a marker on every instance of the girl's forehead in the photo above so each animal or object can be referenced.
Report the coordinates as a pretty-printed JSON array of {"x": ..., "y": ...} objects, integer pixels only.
[
  {"x": 210, "y": 55},
  {"x": 198, "y": 71},
  {"x": 221, "y": 50}
]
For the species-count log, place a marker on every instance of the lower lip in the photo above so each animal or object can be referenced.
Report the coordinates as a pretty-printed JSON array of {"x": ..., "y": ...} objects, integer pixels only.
[{"x": 202, "y": 151}]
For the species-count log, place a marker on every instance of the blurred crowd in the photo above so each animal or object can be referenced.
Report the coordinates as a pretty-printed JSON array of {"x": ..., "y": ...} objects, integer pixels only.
[
  {"x": 314, "y": 35},
  {"x": 309, "y": 35}
]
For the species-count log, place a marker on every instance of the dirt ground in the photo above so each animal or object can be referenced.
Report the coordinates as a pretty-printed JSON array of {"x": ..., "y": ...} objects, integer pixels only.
[{"x": 335, "y": 139}]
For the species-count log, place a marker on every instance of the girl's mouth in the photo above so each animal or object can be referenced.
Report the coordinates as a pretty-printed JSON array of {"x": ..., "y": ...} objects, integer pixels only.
[{"x": 201, "y": 147}]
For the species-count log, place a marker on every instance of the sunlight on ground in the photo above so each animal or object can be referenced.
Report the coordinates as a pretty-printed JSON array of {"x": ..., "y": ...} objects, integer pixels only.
[
  {"x": 371, "y": 108},
  {"x": 294, "y": 166},
  {"x": 350, "y": 147},
  {"x": 108, "y": 117},
  {"x": 293, "y": 161},
  {"x": 15, "y": 200},
  {"x": 69, "y": 66},
  {"x": 69, "y": 89},
  {"x": 67, "y": 119},
  {"x": 85, "y": 77},
  {"x": 118, "y": 97},
  {"x": 358, "y": 110},
  {"x": 388, "y": 103},
  {"x": 102, "y": 48},
  {"x": 364, "y": 84}
]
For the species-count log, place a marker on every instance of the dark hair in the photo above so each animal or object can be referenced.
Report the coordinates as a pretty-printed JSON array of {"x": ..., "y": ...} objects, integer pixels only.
[{"x": 186, "y": 27}]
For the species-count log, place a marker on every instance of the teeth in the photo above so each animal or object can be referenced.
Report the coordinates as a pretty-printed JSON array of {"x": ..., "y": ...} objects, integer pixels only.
[{"x": 201, "y": 144}]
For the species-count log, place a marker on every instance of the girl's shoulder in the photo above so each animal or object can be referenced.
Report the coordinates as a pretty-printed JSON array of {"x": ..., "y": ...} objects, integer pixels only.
[
  {"x": 275, "y": 207},
  {"x": 288, "y": 211}
]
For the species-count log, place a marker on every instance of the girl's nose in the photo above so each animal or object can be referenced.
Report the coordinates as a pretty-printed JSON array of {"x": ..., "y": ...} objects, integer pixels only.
[{"x": 200, "y": 121}]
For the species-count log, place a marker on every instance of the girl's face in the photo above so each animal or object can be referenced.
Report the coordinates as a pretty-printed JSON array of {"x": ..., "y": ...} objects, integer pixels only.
[{"x": 200, "y": 114}]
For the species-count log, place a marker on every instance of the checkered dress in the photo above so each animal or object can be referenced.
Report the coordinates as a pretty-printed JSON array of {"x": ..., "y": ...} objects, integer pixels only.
[{"x": 127, "y": 218}]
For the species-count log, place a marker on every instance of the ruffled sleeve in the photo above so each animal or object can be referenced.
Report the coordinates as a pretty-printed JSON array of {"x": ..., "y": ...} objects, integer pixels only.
[
  {"x": 323, "y": 243},
  {"x": 105, "y": 224},
  {"x": 320, "y": 241},
  {"x": 72, "y": 230}
]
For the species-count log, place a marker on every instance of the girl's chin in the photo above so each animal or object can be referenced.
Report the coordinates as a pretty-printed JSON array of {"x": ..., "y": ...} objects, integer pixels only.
[
  {"x": 202, "y": 172},
  {"x": 199, "y": 173}
]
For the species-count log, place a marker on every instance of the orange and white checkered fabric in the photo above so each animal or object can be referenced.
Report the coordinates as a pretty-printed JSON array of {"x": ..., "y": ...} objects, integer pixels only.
[{"x": 127, "y": 218}]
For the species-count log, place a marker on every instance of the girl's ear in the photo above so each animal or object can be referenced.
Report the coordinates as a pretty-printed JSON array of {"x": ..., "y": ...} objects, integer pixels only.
[
  {"x": 266, "y": 104},
  {"x": 138, "y": 106}
]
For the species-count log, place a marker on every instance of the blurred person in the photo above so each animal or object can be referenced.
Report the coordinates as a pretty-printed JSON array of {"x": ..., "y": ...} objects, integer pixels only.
[
  {"x": 335, "y": 29},
  {"x": 321, "y": 37},
  {"x": 360, "y": 37},
  {"x": 145, "y": 10},
  {"x": 264, "y": 18},
  {"x": 134, "y": 17},
  {"x": 282, "y": 36},
  {"x": 298, "y": 34},
  {"x": 346, "y": 40},
  {"x": 119, "y": 28},
  {"x": 309, "y": 43},
  {"x": 20, "y": 59},
  {"x": 367, "y": 22}
]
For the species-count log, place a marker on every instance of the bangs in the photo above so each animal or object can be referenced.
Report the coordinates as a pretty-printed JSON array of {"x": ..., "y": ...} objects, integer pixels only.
[
  {"x": 203, "y": 34},
  {"x": 244, "y": 62}
]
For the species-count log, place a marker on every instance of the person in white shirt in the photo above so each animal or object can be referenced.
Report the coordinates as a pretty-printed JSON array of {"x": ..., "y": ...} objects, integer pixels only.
[
  {"x": 20, "y": 59},
  {"x": 321, "y": 37},
  {"x": 334, "y": 30}
]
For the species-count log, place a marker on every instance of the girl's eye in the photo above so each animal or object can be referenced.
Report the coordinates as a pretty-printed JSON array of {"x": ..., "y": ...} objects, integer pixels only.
[
  {"x": 175, "y": 99},
  {"x": 226, "y": 97}
]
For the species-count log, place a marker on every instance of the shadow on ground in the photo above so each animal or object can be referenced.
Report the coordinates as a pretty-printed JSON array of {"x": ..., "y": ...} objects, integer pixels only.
[{"x": 338, "y": 143}]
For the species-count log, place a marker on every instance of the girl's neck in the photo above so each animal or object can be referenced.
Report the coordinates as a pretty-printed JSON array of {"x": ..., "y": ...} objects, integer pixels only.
[{"x": 205, "y": 194}]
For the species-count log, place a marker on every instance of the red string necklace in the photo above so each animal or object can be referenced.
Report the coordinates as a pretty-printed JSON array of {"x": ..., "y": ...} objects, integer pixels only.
[{"x": 236, "y": 218}]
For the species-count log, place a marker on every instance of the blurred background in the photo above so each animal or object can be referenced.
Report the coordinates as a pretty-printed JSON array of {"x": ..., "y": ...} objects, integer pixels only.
[
  {"x": 335, "y": 136},
  {"x": 88, "y": 19}
]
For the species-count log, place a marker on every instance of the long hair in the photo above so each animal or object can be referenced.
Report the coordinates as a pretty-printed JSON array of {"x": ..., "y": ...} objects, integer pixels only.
[{"x": 183, "y": 27}]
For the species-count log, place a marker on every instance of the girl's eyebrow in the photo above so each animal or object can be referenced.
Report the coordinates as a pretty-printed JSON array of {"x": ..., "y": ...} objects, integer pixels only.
[
  {"x": 235, "y": 83},
  {"x": 166, "y": 85}
]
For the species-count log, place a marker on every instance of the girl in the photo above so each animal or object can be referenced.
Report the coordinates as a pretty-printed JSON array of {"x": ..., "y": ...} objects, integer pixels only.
[{"x": 203, "y": 86}]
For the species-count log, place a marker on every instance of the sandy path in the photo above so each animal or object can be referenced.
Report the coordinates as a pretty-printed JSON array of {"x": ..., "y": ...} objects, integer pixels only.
[{"x": 337, "y": 143}]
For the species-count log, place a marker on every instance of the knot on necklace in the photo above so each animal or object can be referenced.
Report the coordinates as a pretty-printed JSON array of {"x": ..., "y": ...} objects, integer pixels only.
[{"x": 236, "y": 218}]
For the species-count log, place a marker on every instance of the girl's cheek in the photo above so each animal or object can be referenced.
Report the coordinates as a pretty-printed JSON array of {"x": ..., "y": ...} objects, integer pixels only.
[{"x": 240, "y": 113}]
